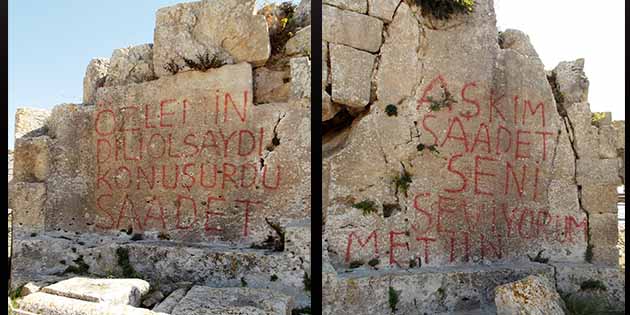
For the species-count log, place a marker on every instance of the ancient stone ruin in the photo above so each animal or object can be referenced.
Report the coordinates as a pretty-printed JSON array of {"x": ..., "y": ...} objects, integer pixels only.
[
  {"x": 182, "y": 182},
  {"x": 454, "y": 163}
]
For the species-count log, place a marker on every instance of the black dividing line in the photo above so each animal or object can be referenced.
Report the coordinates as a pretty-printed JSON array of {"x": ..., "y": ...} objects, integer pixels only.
[
  {"x": 3, "y": 157},
  {"x": 316, "y": 157}
]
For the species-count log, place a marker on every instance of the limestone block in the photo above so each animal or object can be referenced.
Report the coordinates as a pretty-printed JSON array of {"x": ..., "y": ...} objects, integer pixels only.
[
  {"x": 271, "y": 86},
  {"x": 325, "y": 65},
  {"x": 359, "y": 6},
  {"x": 225, "y": 29},
  {"x": 152, "y": 299},
  {"x": 351, "y": 75},
  {"x": 95, "y": 77},
  {"x": 607, "y": 255},
  {"x": 571, "y": 82},
  {"x": 518, "y": 41},
  {"x": 300, "y": 77},
  {"x": 44, "y": 303},
  {"x": 27, "y": 201},
  {"x": 599, "y": 198},
  {"x": 383, "y": 9},
  {"x": 298, "y": 240},
  {"x": 201, "y": 298},
  {"x": 570, "y": 276},
  {"x": 399, "y": 58},
  {"x": 302, "y": 13},
  {"x": 32, "y": 159},
  {"x": 586, "y": 139},
  {"x": 597, "y": 172},
  {"x": 168, "y": 304},
  {"x": 110, "y": 291},
  {"x": 329, "y": 109},
  {"x": 620, "y": 133},
  {"x": 607, "y": 142},
  {"x": 352, "y": 29},
  {"x": 29, "y": 288},
  {"x": 30, "y": 122},
  {"x": 300, "y": 43},
  {"x": 603, "y": 229},
  {"x": 132, "y": 64},
  {"x": 532, "y": 295}
]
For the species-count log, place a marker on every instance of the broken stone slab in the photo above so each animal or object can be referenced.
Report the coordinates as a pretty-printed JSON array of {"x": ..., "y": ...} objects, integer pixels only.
[
  {"x": 223, "y": 29},
  {"x": 351, "y": 75},
  {"x": 270, "y": 86},
  {"x": 431, "y": 290},
  {"x": 27, "y": 201},
  {"x": 531, "y": 295},
  {"x": 110, "y": 291},
  {"x": 300, "y": 77},
  {"x": 352, "y": 29},
  {"x": 32, "y": 159},
  {"x": 30, "y": 122},
  {"x": 200, "y": 298},
  {"x": 168, "y": 304},
  {"x": 571, "y": 83},
  {"x": 300, "y": 43},
  {"x": 49, "y": 304},
  {"x": 399, "y": 58},
  {"x": 518, "y": 41},
  {"x": 597, "y": 198},
  {"x": 597, "y": 172},
  {"x": 383, "y": 9},
  {"x": 571, "y": 277},
  {"x": 359, "y": 6},
  {"x": 132, "y": 64},
  {"x": 95, "y": 77}
]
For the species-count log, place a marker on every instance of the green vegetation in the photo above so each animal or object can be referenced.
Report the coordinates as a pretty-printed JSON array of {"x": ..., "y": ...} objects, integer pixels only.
[
  {"x": 373, "y": 262},
  {"x": 597, "y": 117},
  {"x": 402, "y": 181},
  {"x": 391, "y": 110},
  {"x": 273, "y": 278},
  {"x": 203, "y": 62},
  {"x": 243, "y": 282},
  {"x": 123, "y": 261},
  {"x": 443, "y": 9},
  {"x": 579, "y": 304},
  {"x": 432, "y": 148},
  {"x": 81, "y": 267},
  {"x": 393, "y": 299},
  {"x": 356, "y": 264},
  {"x": 367, "y": 206}
]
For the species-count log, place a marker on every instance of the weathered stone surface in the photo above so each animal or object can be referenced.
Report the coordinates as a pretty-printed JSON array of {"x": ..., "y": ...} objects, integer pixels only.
[
  {"x": 352, "y": 29},
  {"x": 246, "y": 310},
  {"x": 270, "y": 86},
  {"x": 597, "y": 172},
  {"x": 383, "y": 9},
  {"x": 111, "y": 291},
  {"x": 329, "y": 109},
  {"x": 531, "y": 295},
  {"x": 303, "y": 13},
  {"x": 399, "y": 58},
  {"x": 359, "y": 6},
  {"x": 29, "y": 288},
  {"x": 27, "y": 201},
  {"x": 606, "y": 255},
  {"x": 166, "y": 263},
  {"x": 422, "y": 290},
  {"x": 603, "y": 229},
  {"x": 168, "y": 304},
  {"x": 298, "y": 241},
  {"x": 300, "y": 43},
  {"x": 351, "y": 72},
  {"x": 585, "y": 135},
  {"x": 620, "y": 130},
  {"x": 132, "y": 64},
  {"x": 608, "y": 142},
  {"x": 10, "y": 164},
  {"x": 300, "y": 77},
  {"x": 570, "y": 276},
  {"x": 518, "y": 41},
  {"x": 571, "y": 82},
  {"x": 43, "y": 303},
  {"x": 224, "y": 29},
  {"x": 152, "y": 299},
  {"x": 200, "y": 298},
  {"x": 95, "y": 76},
  {"x": 599, "y": 198},
  {"x": 32, "y": 160},
  {"x": 30, "y": 122},
  {"x": 325, "y": 66}
]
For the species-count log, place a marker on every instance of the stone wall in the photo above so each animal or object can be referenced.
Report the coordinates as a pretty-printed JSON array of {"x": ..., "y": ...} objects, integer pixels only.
[
  {"x": 447, "y": 146},
  {"x": 200, "y": 138}
]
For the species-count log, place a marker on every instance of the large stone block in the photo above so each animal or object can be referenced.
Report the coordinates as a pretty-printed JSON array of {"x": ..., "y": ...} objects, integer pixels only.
[
  {"x": 360, "y": 6},
  {"x": 599, "y": 198},
  {"x": 27, "y": 201},
  {"x": 44, "y": 303},
  {"x": 531, "y": 295},
  {"x": 223, "y": 29},
  {"x": 620, "y": 133},
  {"x": 111, "y": 291},
  {"x": 570, "y": 277},
  {"x": 300, "y": 77},
  {"x": 132, "y": 64},
  {"x": 300, "y": 43},
  {"x": 352, "y": 29},
  {"x": 30, "y": 122},
  {"x": 597, "y": 172},
  {"x": 383, "y": 9},
  {"x": 399, "y": 58},
  {"x": 603, "y": 229},
  {"x": 32, "y": 159},
  {"x": 351, "y": 75},
  {"x": 607, "y": 255},
  {"x": 95, "y": 76},
  {"x": 608, "y": 142},
  {"x": 571, "y": 83},
  {"x": 270, "y": 86},
  {"x": 169, "y": 303},
  {"x": 585, "y": 135},
  {"x": 201, "y": 298}
]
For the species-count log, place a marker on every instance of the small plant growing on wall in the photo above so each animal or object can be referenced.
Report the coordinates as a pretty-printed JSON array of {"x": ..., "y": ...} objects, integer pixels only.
[
  {"x": 393, "y": 299},
  {"x": 446, "y": 101},
  {"x": 444, "y": 9},
  {"x": 367, "y": 206},
  {"x": 391, "y": 110},
  {"x": 403, "y": 181},
  {"x": 432, "y": 148}
]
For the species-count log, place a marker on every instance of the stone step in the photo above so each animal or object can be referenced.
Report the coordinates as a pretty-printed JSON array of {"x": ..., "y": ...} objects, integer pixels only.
[
  {"x": 49, "y": 304},
  {"x": 168, "y": 304},
  {"x": 202, "y": 300},
  {"x": 430, "y": 290},
  {"x": 111, "y": 291}
]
